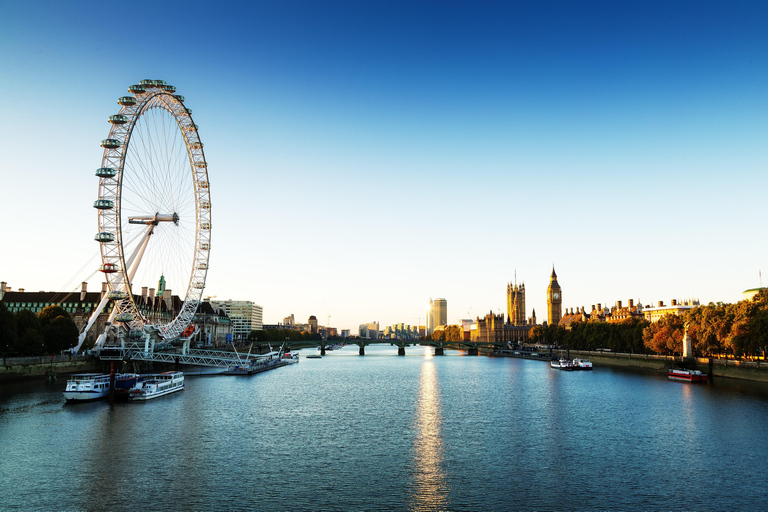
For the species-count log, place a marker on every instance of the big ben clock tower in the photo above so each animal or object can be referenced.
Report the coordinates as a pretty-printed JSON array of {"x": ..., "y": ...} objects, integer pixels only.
[{"x": 554, "y": 300}]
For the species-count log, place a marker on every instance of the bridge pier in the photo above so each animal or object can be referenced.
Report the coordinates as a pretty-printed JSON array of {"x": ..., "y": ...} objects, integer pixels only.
[
  {"x": 401, "y": 351},
  {"x": 472, "y": 351},
  {"x": 362, "y": 350},
  {"x": 322, "y": 349},
  {"x": 439, "y": 351}
]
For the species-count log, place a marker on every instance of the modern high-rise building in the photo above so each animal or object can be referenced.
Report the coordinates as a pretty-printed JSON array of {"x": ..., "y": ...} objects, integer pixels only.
[
  {"x": 313, "y": 324},
  {"x": 244, "y": 315},
  {"x": 554, "y": 300},
  {"x": 437, "y": 314}
]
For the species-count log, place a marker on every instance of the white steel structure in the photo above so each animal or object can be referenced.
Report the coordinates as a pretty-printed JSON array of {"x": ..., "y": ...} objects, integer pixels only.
[{"x": 154, "y": 210}]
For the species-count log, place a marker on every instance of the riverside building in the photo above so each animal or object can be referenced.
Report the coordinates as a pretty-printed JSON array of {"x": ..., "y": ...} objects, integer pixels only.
[
  {"x": 437, "y": 314},
  {"x": 213, "y": 324},
  {"x": 654, "y": 314},
  {"x": 245, "y": 315}
]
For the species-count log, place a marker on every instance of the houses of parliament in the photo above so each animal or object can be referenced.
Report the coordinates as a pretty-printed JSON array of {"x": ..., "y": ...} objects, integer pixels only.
[{"x": 493, "y": 328}]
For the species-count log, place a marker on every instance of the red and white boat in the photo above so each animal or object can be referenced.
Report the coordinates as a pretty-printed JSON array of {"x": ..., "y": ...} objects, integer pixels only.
[
  {"x": 582, "y": 364},
  {"x": 687, "y": 375}
]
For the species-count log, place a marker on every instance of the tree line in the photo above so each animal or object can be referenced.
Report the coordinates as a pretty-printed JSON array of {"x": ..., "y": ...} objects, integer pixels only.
[
  {"x": 25, "y": 333},
  {"x": 624, "y": 336},
  {"x": 715, "y": 330},
  {"x": 450, "y": 333},
  {"x": 279, "y": 335}
]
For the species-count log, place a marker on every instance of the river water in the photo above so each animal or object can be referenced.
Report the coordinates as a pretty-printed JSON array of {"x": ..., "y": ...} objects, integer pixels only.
[{"x": 383, "y": 432}]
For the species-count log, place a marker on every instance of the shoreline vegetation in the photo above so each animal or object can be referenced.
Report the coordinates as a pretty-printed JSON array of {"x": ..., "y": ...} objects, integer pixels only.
[{"x": 730, "y": 332}]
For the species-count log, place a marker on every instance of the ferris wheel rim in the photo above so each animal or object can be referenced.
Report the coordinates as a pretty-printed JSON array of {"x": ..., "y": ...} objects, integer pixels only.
[{"x": 145, "y": 97}]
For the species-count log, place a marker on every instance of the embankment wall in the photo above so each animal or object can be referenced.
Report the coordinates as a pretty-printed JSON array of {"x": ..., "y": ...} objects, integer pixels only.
[
  {"x": 744, "y": 370},
  {"x": 23, "y": 368}
]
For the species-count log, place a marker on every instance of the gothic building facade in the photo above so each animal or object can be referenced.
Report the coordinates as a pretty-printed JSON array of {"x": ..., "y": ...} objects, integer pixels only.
[{"x": 516, "y": 304}]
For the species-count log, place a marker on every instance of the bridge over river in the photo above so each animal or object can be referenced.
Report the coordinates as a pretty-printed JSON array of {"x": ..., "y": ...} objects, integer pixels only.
[{"x": 186, "y": 355}]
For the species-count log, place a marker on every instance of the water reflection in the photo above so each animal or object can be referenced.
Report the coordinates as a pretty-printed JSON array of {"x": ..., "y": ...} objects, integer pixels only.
[{"x": 430, "y": 490}]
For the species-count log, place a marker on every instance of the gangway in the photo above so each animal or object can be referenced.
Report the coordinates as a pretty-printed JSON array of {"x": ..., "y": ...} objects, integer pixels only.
[{"x": 195, "y": 357}]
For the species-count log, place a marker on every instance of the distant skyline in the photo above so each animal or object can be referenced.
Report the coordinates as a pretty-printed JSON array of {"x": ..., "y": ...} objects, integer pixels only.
[{"x": 366, "y": 156}]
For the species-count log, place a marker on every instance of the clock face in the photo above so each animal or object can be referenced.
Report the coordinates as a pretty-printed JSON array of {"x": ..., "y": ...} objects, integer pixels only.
[{"x": 556, "y": 295}]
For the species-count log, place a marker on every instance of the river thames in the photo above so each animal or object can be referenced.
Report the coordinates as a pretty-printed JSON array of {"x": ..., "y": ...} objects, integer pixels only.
[{"x": 383, "y": 432}]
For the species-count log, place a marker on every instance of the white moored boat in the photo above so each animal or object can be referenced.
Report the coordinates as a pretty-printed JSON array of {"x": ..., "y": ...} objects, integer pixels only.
[
  {"x": 87, "y": 386},
  {"x": 290, "y": 358},
  {"x": 83, "y": 387},
  {"x": 561, "y": 364},
  {"x": 157, "y": 385},
  {"x": 582, "y": 364}
]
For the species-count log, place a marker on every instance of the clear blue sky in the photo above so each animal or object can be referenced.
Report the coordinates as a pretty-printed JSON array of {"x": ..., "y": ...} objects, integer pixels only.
[{"x": 366, "y": 156}]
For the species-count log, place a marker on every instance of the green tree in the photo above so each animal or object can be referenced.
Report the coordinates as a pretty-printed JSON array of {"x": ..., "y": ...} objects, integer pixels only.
[
  {"x": 58, "y": 329},
  {"x": 454, "y": 333},
  {"x": 48, "y": 313},
  {"x": 30, "y": 335},
  {"x": 536, "y": 334},
  {"x": 665, "y": 336},
  {"x": 8, "y": 334}
]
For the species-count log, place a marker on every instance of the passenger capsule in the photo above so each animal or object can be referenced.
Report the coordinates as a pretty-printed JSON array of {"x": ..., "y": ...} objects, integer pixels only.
[
  {"x": 169, "y": 88},
  {"x": 196, "y": 145},
  {"x": 104, "y": 237},
  {"x": 205, "y": 246},
  {"x": 153, "y": 83},
  {"x": 179, "y": 97},
  {"x": 198, "y": 285},
  {"x": 202, "y": 184},
  {"x": 116, "y": 295},
  {"x": 202, "y": 266},
  {"x": 124, "y": 317},
  {"x": 106, "y": 172},
  {"x": 103, "y": 204},
  {"x": 201, "y": 165},
  {"x": 118, "y": 119},
  {"x": 205, "y": 225},
  {"x": 189, "y": 111},
  {"x": 110, "y": 143},
  {"x": 109, "y": 268},
  {"x": 190, "y": 127},
  {"x": 127, "y": 101},
  {"x": 137, "y": 89},
  {"x": 205, "y": 205},
  {"x": 135, "y": 334}
]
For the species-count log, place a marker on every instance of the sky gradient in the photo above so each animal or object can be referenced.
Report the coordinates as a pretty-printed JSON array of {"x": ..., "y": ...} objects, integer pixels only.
[{"x": 366, "y": 156}]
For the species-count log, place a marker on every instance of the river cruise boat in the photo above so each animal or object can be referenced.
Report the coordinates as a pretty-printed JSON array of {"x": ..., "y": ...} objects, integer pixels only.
[
  {"x": 582, "y": 364},
  {"x": 561, "y": 364},
  {"x": 84, "y": 387},
  {"x": 686, "y": 375},
  {"x": 157, "y": 386}
]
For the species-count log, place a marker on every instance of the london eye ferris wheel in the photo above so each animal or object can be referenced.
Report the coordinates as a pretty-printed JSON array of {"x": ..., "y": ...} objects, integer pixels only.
[{"x": 154, "y": 210}]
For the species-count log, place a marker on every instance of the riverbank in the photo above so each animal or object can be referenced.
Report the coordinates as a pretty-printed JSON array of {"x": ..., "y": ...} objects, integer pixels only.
[
  {"x": 46, "y": 367},
  {"x": 756, "y": 371}
]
